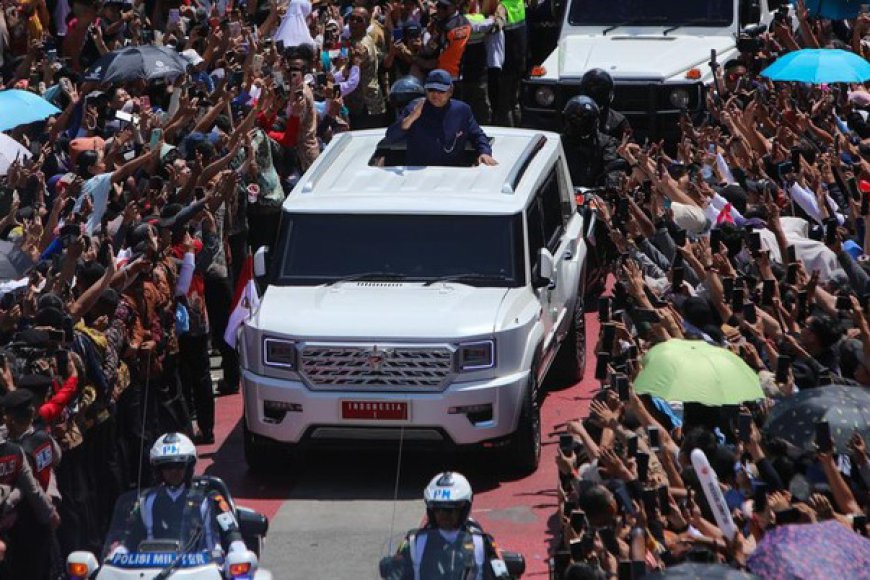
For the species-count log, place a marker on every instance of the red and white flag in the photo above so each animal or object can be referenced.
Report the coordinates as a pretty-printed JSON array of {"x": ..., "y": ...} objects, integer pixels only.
[{"x": 245, "y": 301}]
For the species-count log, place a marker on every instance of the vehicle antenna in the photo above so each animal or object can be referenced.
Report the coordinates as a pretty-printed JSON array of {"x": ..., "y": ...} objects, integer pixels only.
[
  {"x": 144, "y": 416},
  {"x": 396, "y": 490}
]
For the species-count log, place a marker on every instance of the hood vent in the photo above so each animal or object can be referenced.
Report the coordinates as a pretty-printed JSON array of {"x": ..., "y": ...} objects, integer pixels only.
[{"x": 379, "y": 284}]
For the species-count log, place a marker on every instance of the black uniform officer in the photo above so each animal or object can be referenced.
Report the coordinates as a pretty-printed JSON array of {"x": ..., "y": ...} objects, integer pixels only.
[
  {"x": 591, "y": 154},
  {"x": 598, "y": 84}
]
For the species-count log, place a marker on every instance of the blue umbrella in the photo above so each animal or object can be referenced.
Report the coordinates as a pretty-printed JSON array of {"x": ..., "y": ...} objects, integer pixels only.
[
  {"x": 834, "y": 9},
  {"x": 819, "y": 65},
  {"x": 22, "y": 107}
]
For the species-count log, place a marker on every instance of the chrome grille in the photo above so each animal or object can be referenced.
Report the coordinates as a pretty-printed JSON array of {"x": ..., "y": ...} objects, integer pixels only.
[{"x": 376, "y": 366}]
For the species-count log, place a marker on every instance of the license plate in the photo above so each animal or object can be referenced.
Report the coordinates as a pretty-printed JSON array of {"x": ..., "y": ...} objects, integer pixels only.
[{"x": 375, "y": 410}]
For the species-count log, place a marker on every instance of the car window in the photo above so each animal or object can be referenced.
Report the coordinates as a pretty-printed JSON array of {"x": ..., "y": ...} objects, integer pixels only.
[
  {"x": 535, "y": 219},
  {"x": 551, "y": 205}
]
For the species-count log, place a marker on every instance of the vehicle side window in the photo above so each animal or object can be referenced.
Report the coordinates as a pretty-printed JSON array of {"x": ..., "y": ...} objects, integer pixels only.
[
  {"x": 551, "y": 202},
  {"x": 535, "y": 219},
  {"x": 565, "y": 192}
]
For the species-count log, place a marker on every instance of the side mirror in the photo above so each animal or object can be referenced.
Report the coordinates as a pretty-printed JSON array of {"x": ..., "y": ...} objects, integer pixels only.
[
  {"x": 260, "y": 261},
  {"x": 81, "y": 565},
  {"x": 546, "y": 268},
  {"x": 515, "y": 563},
  {"x": 252, "y": 523}
]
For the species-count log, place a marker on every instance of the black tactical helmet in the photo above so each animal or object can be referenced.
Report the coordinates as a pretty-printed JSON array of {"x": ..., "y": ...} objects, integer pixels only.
[
  {"x": 405, "y": 90},
  {"x": 581, "y": 114},
  {"x": 598, "y": 84}
]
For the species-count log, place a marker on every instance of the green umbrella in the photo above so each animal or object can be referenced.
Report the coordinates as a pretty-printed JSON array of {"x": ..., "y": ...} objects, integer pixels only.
[{"x": 693, "y": 370}]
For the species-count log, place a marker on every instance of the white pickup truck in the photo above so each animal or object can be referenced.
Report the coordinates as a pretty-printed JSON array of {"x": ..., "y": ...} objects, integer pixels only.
[
  {"x": 421, "y": 303},
  {"x": 657, "y": 51}
]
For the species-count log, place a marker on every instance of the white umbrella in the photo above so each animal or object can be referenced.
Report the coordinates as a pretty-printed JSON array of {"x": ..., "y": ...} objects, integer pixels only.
[{"x": 10, "y": 149}]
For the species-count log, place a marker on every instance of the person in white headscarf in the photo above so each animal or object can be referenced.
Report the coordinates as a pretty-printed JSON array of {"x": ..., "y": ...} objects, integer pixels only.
[{"x": 293, "y": 29}]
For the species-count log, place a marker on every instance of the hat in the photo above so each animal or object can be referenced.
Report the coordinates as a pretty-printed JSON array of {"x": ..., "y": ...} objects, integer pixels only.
[
  {"x": 19, "y": 399},
  {"x": 50, "y": 317},
  {"x": 192, "y": 57},
  {"x": 439, "y": 79}
]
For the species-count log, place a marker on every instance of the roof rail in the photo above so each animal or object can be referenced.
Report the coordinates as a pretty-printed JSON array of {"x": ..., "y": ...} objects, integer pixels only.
[
  {"x": 337, "y": 145},
  {"x": 536, "y": 143}
]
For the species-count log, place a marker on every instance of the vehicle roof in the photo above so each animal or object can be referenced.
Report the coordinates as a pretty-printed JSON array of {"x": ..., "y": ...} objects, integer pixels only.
[{"x": 342, "y": 181}]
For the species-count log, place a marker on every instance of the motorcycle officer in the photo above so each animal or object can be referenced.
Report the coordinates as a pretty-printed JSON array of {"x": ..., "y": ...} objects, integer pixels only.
[
  {"x": 591, "y": 154},
  {"x": 598, "y": 84},
  {"x": 451, "y": 545},
  {"x": 161, "y": 510}
]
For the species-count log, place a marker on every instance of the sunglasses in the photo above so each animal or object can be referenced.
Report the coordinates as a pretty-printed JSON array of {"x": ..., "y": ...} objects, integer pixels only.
[{"x": 734, "y": 76}]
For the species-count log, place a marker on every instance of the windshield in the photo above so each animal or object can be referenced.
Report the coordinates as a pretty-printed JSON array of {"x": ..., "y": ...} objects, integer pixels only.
[
  {"x": 649, "y": 13},
  {"x": 320, "y": 249},
  {"x": 129, "y": 530}
]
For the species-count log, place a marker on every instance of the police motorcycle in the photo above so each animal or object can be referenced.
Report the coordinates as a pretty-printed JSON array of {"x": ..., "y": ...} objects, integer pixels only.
[{"x": 154, "y": 537}]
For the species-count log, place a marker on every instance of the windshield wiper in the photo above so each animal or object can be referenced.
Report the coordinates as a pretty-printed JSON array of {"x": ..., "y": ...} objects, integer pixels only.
[
  {"x": 692, "y": 22},
  {"x": 644, "y": 20},
  {"x": 470, "y": 276},
  {"x": 368, "y": 276}
]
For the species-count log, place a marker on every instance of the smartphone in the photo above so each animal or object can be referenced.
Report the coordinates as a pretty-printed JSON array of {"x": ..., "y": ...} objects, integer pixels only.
[
  {"x": 792, "y": 253},
  {"x": 561, "y": 560},
  {"x": 749, "y": 313},
  {"x": 677, "y": 276},
  {"x": 624, "y": 570},
  {"x": 844, "y": 302},
  {"x": 655, "y": 440},
  {"x": 728, "y": 287},
  {"x": 865, "y": 203},
  {"x": 664, "y": 500},
  {"x": 831, "y": 232},
  {"x": 51, "y": 55},
  {"x": 759, "y": 497},
  {"x": 608, "y": 336},
  {"x": 788, "y": 516},
  {"x": 801, "y": 305},
  {"x": 298, "y": 94},
  {"x": 744, "y": 426},
  {"x": 650, "y": 499},
  {"x": 783, "y": 365},
  {"x": 791, "y": 274},
  {"x": 680, "y": 238},
  {"x": 642, "y": 460},
  {"x": 601, "y": 363},
  {"x": 631, "y": 448},
  {"x": 575, "y": 547},
  {"x": 604, "y": 304},
  {"x": 622, "y": 387},
  {"x": 156, "y": 136},
  {"x": 767, "y": 291},
  {"x": 737, "y": 297},
  {"x": 124, "y": 116},
  {"x": 852, "y": 186},
  {"x": 568, "y": 507},
  {"x": 336, "y": 92},
  {"x": 279, "y": 46},
  {"x": 715, "y": 240},
  {"x": 754, "y": 241},
  {"x": 646, "y": 315},
  {"x": 859, "y": 522},
  {"x": 824, "y": 442},
  {"x": 566, "y": 444},
  {"x": 579, "y": 521},
  {"x": 199, "y": 192},
  {"x": 235, "y": 29},
  {"x": 608, "y": 538}
]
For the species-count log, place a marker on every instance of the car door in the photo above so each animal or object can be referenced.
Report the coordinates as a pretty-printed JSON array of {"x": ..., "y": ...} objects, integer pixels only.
[{"x": 556, "y": 212}]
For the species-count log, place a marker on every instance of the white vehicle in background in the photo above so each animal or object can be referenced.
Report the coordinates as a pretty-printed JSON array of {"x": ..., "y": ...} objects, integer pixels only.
[
  {"x": 421, "y": 303},
  {"x": 657, "y": 51}
]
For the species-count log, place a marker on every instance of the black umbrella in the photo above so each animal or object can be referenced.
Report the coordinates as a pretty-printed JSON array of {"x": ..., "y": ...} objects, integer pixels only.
[
  {"x": 847, "y": 409},
  {"x": 13, "y": 262},
  {"x": 147, "y": 62},
  {"x": 699, "y": 571}
]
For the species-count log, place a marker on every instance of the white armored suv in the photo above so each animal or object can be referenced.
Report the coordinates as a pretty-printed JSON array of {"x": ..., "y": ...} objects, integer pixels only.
[{"x": 426, "y": 303}]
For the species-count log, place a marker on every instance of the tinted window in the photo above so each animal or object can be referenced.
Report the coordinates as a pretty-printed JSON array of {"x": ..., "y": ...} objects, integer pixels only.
[
  {"x": 317, "y": 248},
  {"x": 535, "y": 219},
  {"x": 648, "y": 13},
  {"x": 551, "y": 203}
]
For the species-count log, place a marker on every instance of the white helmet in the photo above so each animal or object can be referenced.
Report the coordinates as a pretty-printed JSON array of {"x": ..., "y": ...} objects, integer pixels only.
[
  {"x": 448, "y": 489},
  {"x": 173, "y": 448}
]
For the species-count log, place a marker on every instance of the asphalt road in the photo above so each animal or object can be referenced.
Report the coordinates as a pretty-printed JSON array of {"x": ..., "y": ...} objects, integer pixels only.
[{"x": 335, "y": 516}]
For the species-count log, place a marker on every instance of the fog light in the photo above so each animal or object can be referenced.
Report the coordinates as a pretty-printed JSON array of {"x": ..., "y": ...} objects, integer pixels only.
[
  {"x": 545, "y": 97},
  {"x": 680, "y": 98},
  {"x": 275, "y": 411},
  {"x": 475, "y": 413}
]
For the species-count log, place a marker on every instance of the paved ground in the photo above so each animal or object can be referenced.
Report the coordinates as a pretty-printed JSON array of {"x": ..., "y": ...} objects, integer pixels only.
[{"x": 335, "y": 517}]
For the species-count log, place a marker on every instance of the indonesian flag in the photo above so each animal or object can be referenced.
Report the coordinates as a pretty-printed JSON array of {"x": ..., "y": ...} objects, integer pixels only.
[{"x": 245, "y": 302}]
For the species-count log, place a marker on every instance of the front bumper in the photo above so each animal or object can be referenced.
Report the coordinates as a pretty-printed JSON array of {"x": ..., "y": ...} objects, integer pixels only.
[{"x": 316, "y": 418}]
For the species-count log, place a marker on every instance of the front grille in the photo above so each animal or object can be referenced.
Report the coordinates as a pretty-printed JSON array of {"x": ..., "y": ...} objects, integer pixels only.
[
  {"x": 418, "y": 368},
  {"x": 633, "y": 98}
]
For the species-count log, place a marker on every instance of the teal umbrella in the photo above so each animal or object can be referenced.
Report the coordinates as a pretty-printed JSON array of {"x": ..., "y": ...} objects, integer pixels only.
[
  {"x": 21, "y": 107},
  {"x": 695, "y": 371},
  {"x": 819, "y": 65}
]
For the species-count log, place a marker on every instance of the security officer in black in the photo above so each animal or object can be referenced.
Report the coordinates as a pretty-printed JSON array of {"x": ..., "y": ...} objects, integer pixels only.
[
  {"x": 33, "y": 549},
  {"x": 591, "y": 154},
  {"x": 598, "y": 84}
]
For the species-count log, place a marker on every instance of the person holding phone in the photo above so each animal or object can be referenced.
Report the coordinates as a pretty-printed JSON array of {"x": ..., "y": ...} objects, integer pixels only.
[{"x": 366, "y": 104}]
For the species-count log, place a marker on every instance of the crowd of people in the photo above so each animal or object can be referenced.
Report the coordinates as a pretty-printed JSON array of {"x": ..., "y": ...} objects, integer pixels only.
[
  {"x": 749, "y": 235},
  {"x": 137, "y": 204}
]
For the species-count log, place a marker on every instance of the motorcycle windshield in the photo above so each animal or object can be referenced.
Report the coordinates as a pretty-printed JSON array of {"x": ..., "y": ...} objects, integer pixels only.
[{"x": 193, "y": 535}]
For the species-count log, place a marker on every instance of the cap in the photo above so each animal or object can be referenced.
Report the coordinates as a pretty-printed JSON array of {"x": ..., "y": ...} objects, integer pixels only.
[
  {"x": 19, "y": 399},
  {"x": 439, "y": 80},
  {"x": 38, "y": 383}
]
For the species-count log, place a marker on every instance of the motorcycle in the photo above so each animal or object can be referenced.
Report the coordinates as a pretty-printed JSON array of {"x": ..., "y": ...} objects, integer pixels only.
[{"x": 194, "y": 555}]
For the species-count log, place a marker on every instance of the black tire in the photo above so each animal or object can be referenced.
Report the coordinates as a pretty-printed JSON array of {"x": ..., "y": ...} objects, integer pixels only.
[
  {"x": 570, "y": 362},
  {"x": 524, "y": 451},
  {"x": 260, "y": 454}
]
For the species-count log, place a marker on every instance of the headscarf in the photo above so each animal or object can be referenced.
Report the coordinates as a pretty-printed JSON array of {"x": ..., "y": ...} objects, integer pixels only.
[{"x": 293, "y": 29}]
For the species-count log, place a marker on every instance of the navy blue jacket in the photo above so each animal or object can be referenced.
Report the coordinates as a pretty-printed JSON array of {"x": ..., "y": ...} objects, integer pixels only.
[{"x": 439, "y": 136}]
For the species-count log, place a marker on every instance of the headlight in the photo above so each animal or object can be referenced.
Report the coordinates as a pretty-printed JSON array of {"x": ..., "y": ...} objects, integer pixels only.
[
  {"x": 545, "y": 97},
  {"x": 476, "y": 355},
  {"x": 680, "y": 98},
  {"x": 279, "y": 353}
]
